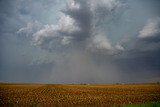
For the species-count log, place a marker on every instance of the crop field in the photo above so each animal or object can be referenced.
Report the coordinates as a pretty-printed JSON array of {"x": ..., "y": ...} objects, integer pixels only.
[{"x": 73, "y": 95}]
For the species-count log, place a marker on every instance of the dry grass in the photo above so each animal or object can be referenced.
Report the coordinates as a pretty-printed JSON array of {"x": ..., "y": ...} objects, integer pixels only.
[{"x": 48, "y": 95}]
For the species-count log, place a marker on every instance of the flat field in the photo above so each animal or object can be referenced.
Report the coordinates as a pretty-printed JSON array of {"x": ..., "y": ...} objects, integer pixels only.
[{"x": 73, "y": 95}]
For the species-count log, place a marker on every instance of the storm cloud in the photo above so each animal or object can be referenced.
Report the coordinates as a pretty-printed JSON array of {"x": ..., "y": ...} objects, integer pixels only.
[
  {"x": 80, "y": 24},
  {"x": 80, "y": 41}
]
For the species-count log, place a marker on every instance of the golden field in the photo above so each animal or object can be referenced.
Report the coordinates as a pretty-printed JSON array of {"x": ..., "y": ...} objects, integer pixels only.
[{"x": 73, "y": 95}]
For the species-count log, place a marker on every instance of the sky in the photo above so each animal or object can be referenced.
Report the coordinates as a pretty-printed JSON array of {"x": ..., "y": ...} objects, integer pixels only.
[{"x": 80, "y": 41}]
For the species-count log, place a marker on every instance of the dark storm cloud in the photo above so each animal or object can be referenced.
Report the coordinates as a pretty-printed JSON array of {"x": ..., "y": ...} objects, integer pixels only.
[
  {"x": 86, "y": 41},
  {"x": 140, "y": 65},
  {"x": 142, "y": 52},
  {"x": 16, "y": 52},
  {"x": 77, "y": 29},
  {"x": 149, "y": 37},
  {"x": 81, "y": 13},
  {"x": 79, "y": 25}
]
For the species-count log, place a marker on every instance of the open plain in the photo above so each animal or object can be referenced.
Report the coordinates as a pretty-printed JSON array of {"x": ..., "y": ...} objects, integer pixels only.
[{"x": 73, "y": 95}]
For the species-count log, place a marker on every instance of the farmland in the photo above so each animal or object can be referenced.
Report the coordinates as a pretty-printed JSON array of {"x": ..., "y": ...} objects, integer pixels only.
[{"x": 71, "y": 95}]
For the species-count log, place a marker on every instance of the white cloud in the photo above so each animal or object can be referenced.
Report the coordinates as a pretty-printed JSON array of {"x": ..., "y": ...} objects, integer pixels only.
[
  {"x": 67, "y": 25},
  {"x": 119, "y": 47},
  {"x": 66, "y": 40},
  {"x": 73, "y": 5},
  {"x": 30, "y": 28},
  {"x": 151, "y": 29},
  {"x": 100, "y": 42},
  {"x": 43, "y": 35},
  {"x": 61, "y": 32}
]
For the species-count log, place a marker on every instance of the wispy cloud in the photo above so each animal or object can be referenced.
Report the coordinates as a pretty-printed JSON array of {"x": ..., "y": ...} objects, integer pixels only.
[{"x": 151, "y": 29}]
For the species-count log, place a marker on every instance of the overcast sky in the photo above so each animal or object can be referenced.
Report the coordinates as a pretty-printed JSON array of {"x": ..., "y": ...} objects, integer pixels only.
[{"x": 80, "y": 41}]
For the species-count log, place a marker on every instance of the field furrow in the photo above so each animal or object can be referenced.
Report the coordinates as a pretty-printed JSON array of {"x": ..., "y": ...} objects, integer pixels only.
[{"x": 48, "y": 95}]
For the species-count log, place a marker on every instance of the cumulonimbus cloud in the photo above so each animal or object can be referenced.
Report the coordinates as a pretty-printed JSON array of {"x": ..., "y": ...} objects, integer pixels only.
[{"x": 79, "y": 24}]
